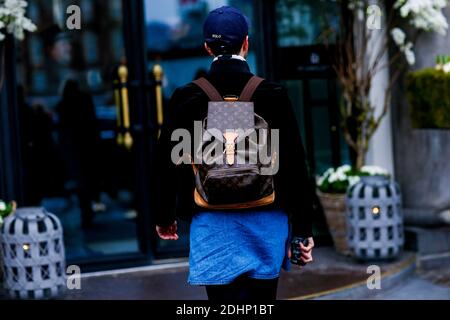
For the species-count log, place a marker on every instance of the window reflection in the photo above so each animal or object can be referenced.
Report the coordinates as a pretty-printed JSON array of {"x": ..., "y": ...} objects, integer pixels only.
[
  {"x": 175, "y": 37},
  {"x": 68, "y": 123},
  {"x": 307, "y": 22}
]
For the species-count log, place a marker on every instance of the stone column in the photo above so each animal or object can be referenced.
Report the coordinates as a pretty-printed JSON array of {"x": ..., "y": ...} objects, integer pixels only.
[{"x": 422, "y": 156}]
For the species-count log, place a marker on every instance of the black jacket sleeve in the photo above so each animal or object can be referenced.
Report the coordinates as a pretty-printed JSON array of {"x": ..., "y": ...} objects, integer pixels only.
[
  {"x": 166, "y": 171},
  {"x": 294, "y": 177}
]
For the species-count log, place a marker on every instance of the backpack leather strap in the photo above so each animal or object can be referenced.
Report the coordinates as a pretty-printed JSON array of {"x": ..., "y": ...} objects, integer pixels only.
[
  {"x": 209, "y": 89},
  {"x": 214, "y": 95},
  {"x": 250, "y": 89}
]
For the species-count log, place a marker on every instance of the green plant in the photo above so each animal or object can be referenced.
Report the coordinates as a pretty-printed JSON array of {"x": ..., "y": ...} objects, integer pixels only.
[
  {"x": 441, "y": 60},
  {"x": 428, "y": 93},
  {"x": 340, "y": 179},
  {"x": 6, "y": 209}
]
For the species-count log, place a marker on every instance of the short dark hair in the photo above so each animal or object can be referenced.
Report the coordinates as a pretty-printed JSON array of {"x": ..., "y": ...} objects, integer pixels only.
[{"x": 219, "y": 48}]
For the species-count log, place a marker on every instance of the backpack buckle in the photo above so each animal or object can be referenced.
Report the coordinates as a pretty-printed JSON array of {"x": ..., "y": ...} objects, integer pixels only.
[
  {"x": 231, "y": 98},
  {"x": 230, "y": 143}
]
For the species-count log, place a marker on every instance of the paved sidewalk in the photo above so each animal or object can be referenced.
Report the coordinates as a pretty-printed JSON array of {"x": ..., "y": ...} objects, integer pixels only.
[
  {"x": 331, "y": 276},
  {"x": 413, "y": 288},
  {"x": 329, "y": 272},
  {"x": 439, "y": 276}
]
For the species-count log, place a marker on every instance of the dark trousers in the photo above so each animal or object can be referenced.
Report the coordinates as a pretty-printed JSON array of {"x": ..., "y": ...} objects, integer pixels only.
[{"x": 244, "y": 289}]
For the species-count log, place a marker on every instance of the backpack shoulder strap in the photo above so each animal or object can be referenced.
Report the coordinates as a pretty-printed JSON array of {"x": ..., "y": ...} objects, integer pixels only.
[
  {"x": 209, "y": 89},
  {"x": 250, "y": 88}
]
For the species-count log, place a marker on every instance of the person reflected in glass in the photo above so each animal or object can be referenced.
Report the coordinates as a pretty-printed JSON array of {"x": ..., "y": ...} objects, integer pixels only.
[{"x": 79, "y": 141}]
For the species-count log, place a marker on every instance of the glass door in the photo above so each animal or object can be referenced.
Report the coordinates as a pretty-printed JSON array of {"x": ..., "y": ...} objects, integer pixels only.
[
  {"x": 305, "y": 37},
  {"x": 80, "y": 133},
  {"x": 306, "y": 32}
]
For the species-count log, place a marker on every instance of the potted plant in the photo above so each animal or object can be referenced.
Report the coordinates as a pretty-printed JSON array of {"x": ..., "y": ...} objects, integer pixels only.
[
  {"x": 368, "y": 43},
  {"x": 332, "y": 186},
  {"x": 6, "y": 209},
  {"x": 364, "y": 49},
  {"x": 428, "y": 93}
]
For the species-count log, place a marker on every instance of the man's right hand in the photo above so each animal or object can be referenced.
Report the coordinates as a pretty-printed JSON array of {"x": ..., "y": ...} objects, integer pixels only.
[{"x": 168, "y": 233}]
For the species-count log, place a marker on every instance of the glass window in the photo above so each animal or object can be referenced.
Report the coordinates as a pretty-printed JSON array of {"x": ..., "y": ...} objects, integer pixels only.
[
  {"x": 73, "y": 165},
  {"x": 175, "y": 37},
  {"x": 303, "y": 29},
  {"x": 306, "y": 22},
  {"x": 317, "y": 140}
]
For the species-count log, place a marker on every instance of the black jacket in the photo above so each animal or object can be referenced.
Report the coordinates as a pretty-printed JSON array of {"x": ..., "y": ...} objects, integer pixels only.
[{"x": 189, "y": 103}]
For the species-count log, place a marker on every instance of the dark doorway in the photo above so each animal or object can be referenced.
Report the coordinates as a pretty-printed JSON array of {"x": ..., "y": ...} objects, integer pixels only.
[{"x": 304, "y": 38}]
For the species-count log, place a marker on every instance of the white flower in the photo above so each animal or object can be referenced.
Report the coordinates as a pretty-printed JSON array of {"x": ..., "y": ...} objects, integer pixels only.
[
  {"x": 328, "y": 172},
  {"x": 409, "y": 54},
  {"x": 343, "y": 168},
  {"x": 19, "y": 34},
  {"x": 13, "y": 19},
  {"x": 374, "y": 170},
  {"x": 352, "y": 180},
  {"x": 410, "y": 57},
  {"x": 446, "y": 67},
  {"x": 2, "y": 206},
  {"x": 29, "y": 25},
  {"x": 399, "y": 36},
  {"x": 425, "y": 15},
  {"x": 332, "y": 178},
  {"x": 15, "y": 5},
  {"x": 320, "y": 180},
  {"x": 340, "y": 174}
]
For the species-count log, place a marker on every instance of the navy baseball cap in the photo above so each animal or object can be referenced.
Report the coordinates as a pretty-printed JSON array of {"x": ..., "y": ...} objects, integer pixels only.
[{"x": 225, "y": 28}]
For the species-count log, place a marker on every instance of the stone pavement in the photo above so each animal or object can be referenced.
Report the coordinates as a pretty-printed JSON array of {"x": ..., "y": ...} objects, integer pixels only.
[
  {"x": 331, "y": 276},
  {"x": 439, "y": 275},
  {"x": 413, "y": 288}
]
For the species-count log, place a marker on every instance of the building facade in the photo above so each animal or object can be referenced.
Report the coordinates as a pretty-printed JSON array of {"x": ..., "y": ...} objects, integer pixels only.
[
  {"x": 422, "y": 155},
  {"x": 80, "y": 110}
]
